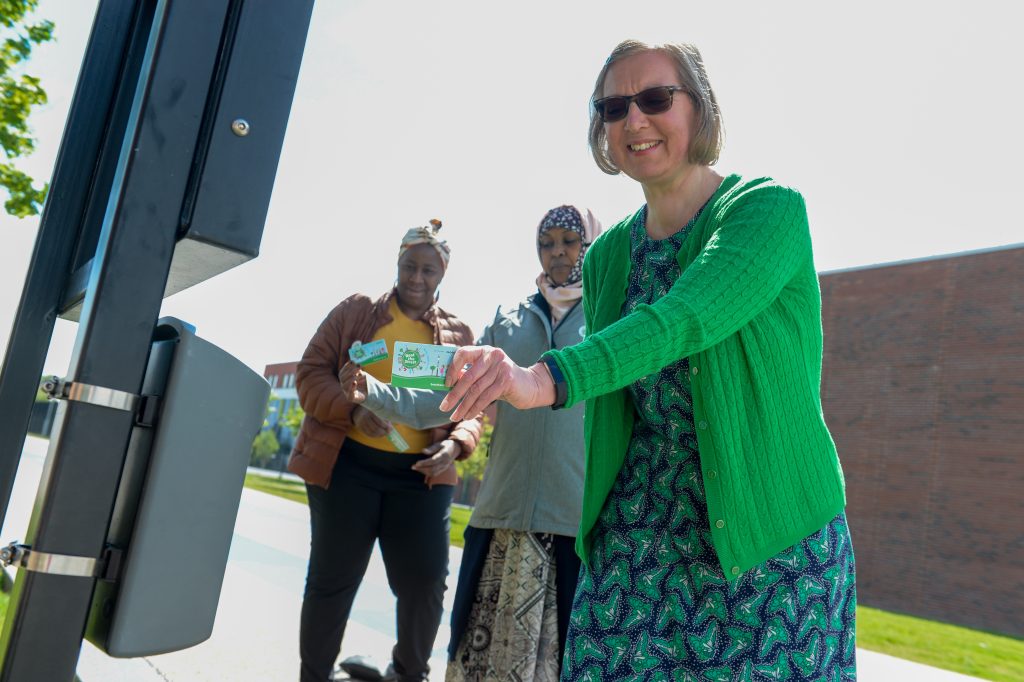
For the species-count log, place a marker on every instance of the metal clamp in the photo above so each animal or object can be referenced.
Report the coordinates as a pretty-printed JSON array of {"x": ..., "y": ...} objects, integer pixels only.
[
  {"x": 23, "y": 556},
  {"x": 107, "y": 567},
  {"x": 61, "y": 389}
]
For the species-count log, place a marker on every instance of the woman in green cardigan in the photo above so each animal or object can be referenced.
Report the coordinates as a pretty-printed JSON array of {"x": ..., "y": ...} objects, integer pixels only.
[{"x": 713, "y": 534}]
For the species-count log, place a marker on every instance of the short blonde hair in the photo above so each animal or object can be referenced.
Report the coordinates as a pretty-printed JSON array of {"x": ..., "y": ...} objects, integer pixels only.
[{"x": 706, "y": 143}]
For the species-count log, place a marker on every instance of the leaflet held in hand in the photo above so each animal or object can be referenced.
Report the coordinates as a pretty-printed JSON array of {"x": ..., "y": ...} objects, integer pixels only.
[
  {"x": 396, "y": 439},
  {"x": 421, "y": 365},
  {"x": 368, "y": 353}
]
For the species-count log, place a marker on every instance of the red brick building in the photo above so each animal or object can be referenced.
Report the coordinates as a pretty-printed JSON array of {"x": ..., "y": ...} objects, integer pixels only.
[{"x": 923, "y": 390}]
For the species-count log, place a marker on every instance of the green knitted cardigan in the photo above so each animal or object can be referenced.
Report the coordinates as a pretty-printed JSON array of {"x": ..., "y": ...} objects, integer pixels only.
[{"x": 746, "y": 311}]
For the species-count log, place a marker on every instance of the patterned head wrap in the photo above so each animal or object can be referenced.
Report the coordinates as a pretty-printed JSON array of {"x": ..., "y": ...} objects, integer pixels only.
[
  {"x": 582, "y": 222},
  {"x": 426, "y": 235}
]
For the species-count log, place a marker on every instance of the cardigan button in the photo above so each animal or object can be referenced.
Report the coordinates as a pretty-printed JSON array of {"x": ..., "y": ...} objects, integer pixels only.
[
  {"x": 712, "y": 473},
  {"x": 735, "y": 570},
  {"x": 694, "y": 371},
  {"x": 703, "y": 424},
  {"x": 719, "y": 523}
]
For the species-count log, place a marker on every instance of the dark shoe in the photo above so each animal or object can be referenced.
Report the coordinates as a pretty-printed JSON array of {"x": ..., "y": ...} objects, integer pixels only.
[
  {"x": 362, "y": 668},
  {"x": 392, "y": 675}
]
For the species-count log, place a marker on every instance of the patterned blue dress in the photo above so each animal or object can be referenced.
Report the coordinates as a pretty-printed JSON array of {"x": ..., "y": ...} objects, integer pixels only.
[{"x": 654, "y": 603}]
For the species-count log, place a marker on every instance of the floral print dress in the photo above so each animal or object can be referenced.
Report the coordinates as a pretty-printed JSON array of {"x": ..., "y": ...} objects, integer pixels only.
[{"x": 654, "y": 603}]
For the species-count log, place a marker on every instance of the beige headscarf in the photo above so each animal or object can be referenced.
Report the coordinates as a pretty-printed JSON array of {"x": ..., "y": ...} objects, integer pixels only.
[
  {"x": 426, "y": 235},
  {"x": 583, "y": 222}
]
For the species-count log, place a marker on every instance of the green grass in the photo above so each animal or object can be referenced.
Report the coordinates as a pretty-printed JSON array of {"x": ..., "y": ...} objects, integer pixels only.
[
  {"x": 962, "y": 650},
  {"x": 296, "y": 491},
  {"x": 460, "y": 517},
  {"x": 282, "y": 487}
]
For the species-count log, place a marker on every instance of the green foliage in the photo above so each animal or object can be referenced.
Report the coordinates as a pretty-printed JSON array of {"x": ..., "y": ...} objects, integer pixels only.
[
  {"x": 19, "y": 92},
  {"x": 270, "y": 402},
  {"x": 293, "y": 419},
  {"x": 472, "y": 468},
  {"x": 264, "y": 447}
]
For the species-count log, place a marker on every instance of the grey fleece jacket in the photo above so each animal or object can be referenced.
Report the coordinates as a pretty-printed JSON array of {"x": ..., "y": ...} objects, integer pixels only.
[{"x": 534, "y": 476}]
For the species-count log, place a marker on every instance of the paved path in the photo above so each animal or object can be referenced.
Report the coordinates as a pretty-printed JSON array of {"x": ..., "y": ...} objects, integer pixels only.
[{"x": 255, "y": 636}]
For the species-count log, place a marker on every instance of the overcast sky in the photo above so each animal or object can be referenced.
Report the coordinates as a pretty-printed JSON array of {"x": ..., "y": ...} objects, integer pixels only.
[{"x": 899, "y": 121}]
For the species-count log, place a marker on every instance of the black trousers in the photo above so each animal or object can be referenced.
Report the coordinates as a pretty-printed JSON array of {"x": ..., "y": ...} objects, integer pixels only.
[{"x": 375, "y": 496}]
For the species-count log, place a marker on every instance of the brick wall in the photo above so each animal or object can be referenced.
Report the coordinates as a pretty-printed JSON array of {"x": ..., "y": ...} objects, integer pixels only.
[{"x": 923, "y": 390}]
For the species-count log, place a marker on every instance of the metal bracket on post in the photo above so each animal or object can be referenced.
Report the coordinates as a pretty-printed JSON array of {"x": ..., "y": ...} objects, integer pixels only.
[
  {"x": 145, "y": 407},
  {"x": 106, "y": 567},
  {"x": 62, "y": 389}
]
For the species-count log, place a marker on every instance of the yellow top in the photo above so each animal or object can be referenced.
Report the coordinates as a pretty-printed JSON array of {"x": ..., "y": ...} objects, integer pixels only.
[{"x": 401, "y": 328}]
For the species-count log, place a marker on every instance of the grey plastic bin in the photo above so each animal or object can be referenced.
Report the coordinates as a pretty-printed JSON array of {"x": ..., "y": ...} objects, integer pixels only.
[{"x": 178, "y": 497}]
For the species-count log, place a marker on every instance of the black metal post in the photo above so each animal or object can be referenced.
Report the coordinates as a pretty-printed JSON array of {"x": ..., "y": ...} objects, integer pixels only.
[
  {"x": 90, "y": 128},
  {"x": 43, "y": 632}
]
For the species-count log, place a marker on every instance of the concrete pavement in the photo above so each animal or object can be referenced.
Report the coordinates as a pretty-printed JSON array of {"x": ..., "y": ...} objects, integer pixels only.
[{"x": 256, "y": 633}]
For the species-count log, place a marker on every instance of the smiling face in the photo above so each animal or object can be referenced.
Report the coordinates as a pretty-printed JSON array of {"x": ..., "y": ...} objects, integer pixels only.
[
  {"x": 420, "y": 270},
  {"x": 559, "y": 250},
  {"x": 651, "y": 149}
]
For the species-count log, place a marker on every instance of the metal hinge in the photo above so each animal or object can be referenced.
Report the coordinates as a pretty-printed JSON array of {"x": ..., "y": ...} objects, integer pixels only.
[
  {"x": 145, "y": 407},
  {"x": 107, "y": 567}
]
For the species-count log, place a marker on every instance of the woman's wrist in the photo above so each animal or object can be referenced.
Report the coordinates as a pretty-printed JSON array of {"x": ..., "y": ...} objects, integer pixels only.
[
  {"x": 460, "y": 449},
  {"x": 547, "y": 383},
  {"x": 376, "y": 397},
  {"x": 454, "y": 449}
]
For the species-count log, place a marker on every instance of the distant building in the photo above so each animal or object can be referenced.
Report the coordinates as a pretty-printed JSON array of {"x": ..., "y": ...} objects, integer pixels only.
[
  {"x": 923, "y": 391},
  {"x": 283, "y": 399}
]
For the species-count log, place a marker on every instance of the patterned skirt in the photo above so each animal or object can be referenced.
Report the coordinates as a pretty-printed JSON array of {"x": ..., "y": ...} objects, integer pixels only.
[
  {"x": 655, "y": 605},
  {"x": 512, "y": 633}
]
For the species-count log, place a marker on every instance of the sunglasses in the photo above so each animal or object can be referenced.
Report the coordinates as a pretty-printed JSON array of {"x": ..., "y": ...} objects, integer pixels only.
[{"x": 651, "y": 101}]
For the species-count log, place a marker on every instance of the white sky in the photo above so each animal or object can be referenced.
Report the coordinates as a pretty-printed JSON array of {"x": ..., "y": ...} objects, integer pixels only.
[{"x": 901, "y": 122}]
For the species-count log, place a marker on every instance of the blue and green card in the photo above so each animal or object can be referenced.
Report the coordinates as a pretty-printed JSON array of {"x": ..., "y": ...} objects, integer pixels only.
[{"x": 421, "y": 365}]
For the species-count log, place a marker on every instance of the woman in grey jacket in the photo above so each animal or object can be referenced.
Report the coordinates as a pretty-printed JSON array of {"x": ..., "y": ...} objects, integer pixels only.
[{"x": 519, "y": 568}]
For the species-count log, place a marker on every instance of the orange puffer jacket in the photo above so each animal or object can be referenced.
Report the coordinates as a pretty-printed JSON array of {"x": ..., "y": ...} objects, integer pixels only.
[{"x": 329, "y": 414}]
